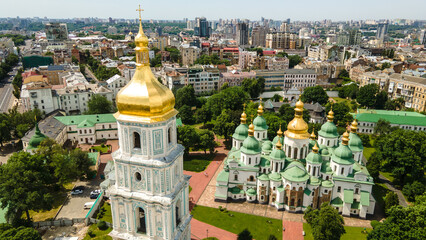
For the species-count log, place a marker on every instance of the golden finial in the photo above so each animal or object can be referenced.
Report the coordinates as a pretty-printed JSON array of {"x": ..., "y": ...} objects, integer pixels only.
[
  {"x": 279, "y": 145},
  {"x": 345, "y": 138},
  {"x": 298, "y": 110},
  {"x": 260, "y": 108},
  {"x": 280, "y": 132},
  {"x": 244, "y": 115},
  {"x": 330, "y": 116},
  {"x": 315, "y": 148},
  {"x": 354, "y": 125},
  {"x": 251, "y": 128},
  {"x": 313, "y": 136}
]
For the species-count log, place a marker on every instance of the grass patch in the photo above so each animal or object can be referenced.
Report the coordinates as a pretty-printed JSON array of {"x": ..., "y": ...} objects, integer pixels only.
[
  {"x": 190, "y": 189},
  {"x": 235, "y": 222},
  {"x": 352, "y": 233},
  {"x": 105, "y": 213},
  {"x": 368, "y": 151},
  {"x": 388, "y": 176},
  {"x": 98, "y": 234},
  {"x": 197, "y": 126},
  {"x": 101, "y": 149},
  {"x": 197, "y": 163},
  {"x": 58, "y": 200}
]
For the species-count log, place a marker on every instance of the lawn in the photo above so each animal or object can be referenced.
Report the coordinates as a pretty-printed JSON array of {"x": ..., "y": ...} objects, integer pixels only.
[
  {"x": 98, "y": 234},
  {"x": 197, "y": 163},
  {"x": 58, "y": 200},
  {"x": 352, "y": 233},
  {"x": 105, "y": 213},
  {"x": 102, "y": 149},
  {"x": 235, "y": 222},
  {"x": 368, "y": 151},
  {"x": 388, "y": 176}
]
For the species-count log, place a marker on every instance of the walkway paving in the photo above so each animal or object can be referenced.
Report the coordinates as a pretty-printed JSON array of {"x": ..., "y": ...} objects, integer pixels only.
[
  {"x": 200, "y": 230},
  {"x": 293, "y": 230}
]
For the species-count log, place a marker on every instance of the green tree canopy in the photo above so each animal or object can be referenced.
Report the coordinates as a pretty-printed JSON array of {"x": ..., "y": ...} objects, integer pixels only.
[
  {"x": 286, "y": 113},
  {"x": 231, "y": 98},
  {"x": 245, "y": 235},
  {"x": 207, "y": 141},
  {"x": 391, "y": 200},
  {"x": 367, "y": 95},
  {"x": 314, "y": 94},
  {"x": 224, "y": 125},
  {"x": 253, "y": 86},
  {"x": 342, "y": 114},
  {"x": 8, "y": 232},
  {"x": 185, "y": 96},
  {"x": 294, "y": 60},
  {"x": 186, "y": 114},
  {"x": 188, "y": 137},
  {"x": 99, "y": 104},
  {"x": 326, "y": 223}
]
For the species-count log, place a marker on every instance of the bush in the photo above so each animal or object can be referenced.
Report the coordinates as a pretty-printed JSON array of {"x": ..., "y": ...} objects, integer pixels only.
[
  {"x": 102, "y": 225},
  {"x": 91, "y": 234},
  {"x": 412, "y": 190},
  {"x": 374, "y": 223}
]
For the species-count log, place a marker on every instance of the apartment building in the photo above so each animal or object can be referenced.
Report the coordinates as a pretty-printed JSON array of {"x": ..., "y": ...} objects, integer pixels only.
[
  {"x": 324, "y": 70},
  {"x": 235, "y": 78},
  {"x": 203, "y": 78},
  {"x": 52, "y": 73},
  {"x": 189, "y": 54},
  {"x": 290, "y": 78}
]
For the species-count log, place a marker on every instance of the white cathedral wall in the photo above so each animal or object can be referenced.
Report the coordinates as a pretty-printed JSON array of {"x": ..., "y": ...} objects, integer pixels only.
[
  {"x": 302, "y": 146},
  {"x": 260, "y": 135},
  {"x": 329, "y": 142}
]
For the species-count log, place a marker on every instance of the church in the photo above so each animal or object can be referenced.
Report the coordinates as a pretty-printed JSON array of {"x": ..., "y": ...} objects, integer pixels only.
[
  {"x": 297, "y": 170},
  {"x": 149, "y": 199}
]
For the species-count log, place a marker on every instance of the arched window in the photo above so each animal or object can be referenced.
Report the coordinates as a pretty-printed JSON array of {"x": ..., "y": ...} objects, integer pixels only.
[
  {"x": 299, "y": 202},
  {"x": 136, "y": 140},
  {"x": 141, "y": 222},
  {"x": 341, "y": 172},
  {"x": 169, "y": 135},
  {"x": 178, "y": 215},
  {"x": 292, "y": 202},
  {"x": 295, "y": 153},
  {"x": 251, "y": 179},
  {"x": 236, "y": 177}
]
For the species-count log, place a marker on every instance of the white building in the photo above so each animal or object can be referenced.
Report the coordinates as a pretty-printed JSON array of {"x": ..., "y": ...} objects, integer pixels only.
[
  {"x": 203, "y": 78},
  {"x": 116, "y": 83},
  {"x": 149, "y": 198}
]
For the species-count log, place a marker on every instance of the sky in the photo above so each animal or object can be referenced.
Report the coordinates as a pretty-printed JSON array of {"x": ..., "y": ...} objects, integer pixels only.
[{"x": 308, "y": 10}]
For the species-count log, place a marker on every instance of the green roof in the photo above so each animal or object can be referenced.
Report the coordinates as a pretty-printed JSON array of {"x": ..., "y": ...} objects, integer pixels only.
[
  {"x": 327, "y": 184},
  {"x": 328, "y": 130},
  {"x": 241, "y": 132},
  {"x": 355, "y": 142},
  {"x": 85, "y": 123},
  {"x": 342, "y": 155},
  {"x": 365, "y": 198},
  {"x": 263, "y": 177},
  {"x": 179, "y": 122},
  {"x": 277, "y": 154},
  {"x": 295, "y": 172},
  {"x": 93, "y": 157},
  {"x": 236, "y": 190},
  {"x": 36, "y": 139},
  {"x": 79, "y": 119},
  {"x": 325, "y": 167},
  {"x": 267, "y": 146},
  {"x": 251, "y": 146},
  {"x": 337, "y": 202},
  {"x": 314, "y": 181},
  {"x": 223, "y": 176},
  {"x": 251, "y": 192},
  {"x": 314, "y": 158},
  {"x": 355, "y": 205},
  {"x": 307, "y": 191},
  {"x": 348, "y": 196},
  {"x": 275, "y": 140},
  {"x": 394, "y": 117},
  {"x": 275, "y": 176},
  {"x": 260, "y": 123},
  {"x": 264, "y": 162}
]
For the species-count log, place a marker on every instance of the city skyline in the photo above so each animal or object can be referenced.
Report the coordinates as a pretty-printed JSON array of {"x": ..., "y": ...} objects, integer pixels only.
[{"x": 309, "y": 10}]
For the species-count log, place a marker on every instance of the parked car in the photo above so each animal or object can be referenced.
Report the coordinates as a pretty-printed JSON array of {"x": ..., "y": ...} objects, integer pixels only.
[
  {"x": 88, "y": 205},
  {"x": 94, "y": 194},
  {"x": 77, "y": 190}
]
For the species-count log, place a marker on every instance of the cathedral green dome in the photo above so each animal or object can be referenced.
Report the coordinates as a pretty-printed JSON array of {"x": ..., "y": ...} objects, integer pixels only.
[
  {"x": 251, "y": 146},
  {"x": 241, "y": 132},
  {"x": 267, "y": 146},
  {"x": 355, "y": 142},
  {"x": 260, "y": 123},
  {"x": 275, "y": 140},
  {"x": 314, "y": 158},
  {"x": 277, "y": 154},
  {"x": 312, "y": 143},
  {"x": 325, "y": 167},
  {"x": 328, "y": 130},
  {"x": 343, "y": 154},
  {"x": 295, "y": 172},
  {"x": 251, "y": 192},
  {"x": 36, "y": 139}
]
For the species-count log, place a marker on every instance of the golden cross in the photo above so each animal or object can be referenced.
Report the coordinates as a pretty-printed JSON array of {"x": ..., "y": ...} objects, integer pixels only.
[
  {"x": 244, "y": 106},
  {"x": 140, "y": 11}
]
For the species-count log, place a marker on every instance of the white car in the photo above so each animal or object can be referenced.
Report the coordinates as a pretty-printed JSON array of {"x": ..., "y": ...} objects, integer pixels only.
[{"x": 76, "y": 191}]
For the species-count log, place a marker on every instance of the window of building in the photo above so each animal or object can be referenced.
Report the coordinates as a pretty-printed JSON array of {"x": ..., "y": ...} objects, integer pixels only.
[
  {"x": 341, "y": 172},
  {"x": 339, "y": 189},
  {"x": 236, "y": 177},
  {"x": 136, "y": 140}
]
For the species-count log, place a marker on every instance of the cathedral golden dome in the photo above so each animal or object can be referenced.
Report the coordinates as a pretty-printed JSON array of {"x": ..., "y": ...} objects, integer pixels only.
[
  {"x": 297, "y": 128},
  {"x": 251, "y": 130},
  {"x": 345, "y": 138},
  {"x": 144, "y": 98},
  {"x": 354, "y": 126}
]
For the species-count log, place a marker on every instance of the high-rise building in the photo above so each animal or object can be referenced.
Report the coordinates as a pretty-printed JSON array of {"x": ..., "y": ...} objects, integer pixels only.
[
  {"x": 258, "y": 36},
  {"x": 202, "y": 27},
  {"x": 56, "y": 31},
  {"x": 351, "y": 37},
  {"x": 150, "y": 197},
  {"x": 242, "y": 34},
  {"x": 422, "y": 37},
  {"x": 382, "y": 30}
]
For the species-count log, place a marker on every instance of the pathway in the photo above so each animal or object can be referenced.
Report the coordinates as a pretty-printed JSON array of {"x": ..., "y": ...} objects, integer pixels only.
[{"x": 200, "y": 230}]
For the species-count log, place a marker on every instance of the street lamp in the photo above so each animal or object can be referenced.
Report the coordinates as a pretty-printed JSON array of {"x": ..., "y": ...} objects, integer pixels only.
[{"x": 207, "y": 233}]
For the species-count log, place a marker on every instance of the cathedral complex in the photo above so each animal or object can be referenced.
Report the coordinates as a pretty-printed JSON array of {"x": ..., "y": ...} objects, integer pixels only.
[
  {"x": 149, "y": 199},
  {"x": 297, "y": 170}
]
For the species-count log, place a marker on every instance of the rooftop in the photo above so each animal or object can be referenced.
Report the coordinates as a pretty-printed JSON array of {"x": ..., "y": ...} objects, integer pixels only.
[{"x": 77, "y": 119}]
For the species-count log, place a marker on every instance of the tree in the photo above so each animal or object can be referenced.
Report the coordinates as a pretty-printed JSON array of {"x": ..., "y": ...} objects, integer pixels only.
[
  {"x": 343, "y": 74},
  {"x": 253, "y": 86},
  {"x": 402, "y": 153},
  {"x": 202, "y": 115},
  {"x": 24, "y": 184},
  {"x": 385, "y": 65},
  {"x": 395, "y": 104},
  {"x": 294, "y": 60},
  {"x": 224, "y": 125},
  {"x": 99, "y": 104},
  {"x": 314, "y": 94},
  {"x": 207, "y": 141},
  {"x": 4, "y": 130},
  {"x": 81, "y": 161},
  {"x": 326, "y": 223},
  {"x": 391, "y": 200},
  {"x": 185, "y": 96},
  {"x": 245, "y": 235},
  {"x": 276, "y": 98},
  {"x": 188, "y": 137},
  {"x": 402, "y": 223},
  {"x": 272, "y": 237},
  {"x": 367, "y": 95},
  {"x": 231, "y": 98},
  {"x": 381, "y": 99},
  {"x": 342, "y": 114},
  {"x": 349, "y": 91},
  {"x": 185, "y": 113},
  {"x": 274, "y": 123},
  {"x": 411, "y": 190},
  {"x": 382, "y": 127},
  {"x": 8, "y": 232},
  {"x": 286, "y": 112}
]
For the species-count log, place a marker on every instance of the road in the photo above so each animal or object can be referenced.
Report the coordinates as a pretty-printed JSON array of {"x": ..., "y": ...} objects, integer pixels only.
[{"x": 6, "y": 94}]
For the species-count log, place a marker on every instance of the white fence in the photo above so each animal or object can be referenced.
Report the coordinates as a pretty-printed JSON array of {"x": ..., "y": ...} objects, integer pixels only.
[{"x": 58, "y": 223}]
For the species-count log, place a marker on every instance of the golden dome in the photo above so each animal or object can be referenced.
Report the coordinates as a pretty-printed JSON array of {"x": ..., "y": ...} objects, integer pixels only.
[
  {"x": 279, "y": 145},
  {"x": 251, "y": 130},
  {"x": 297, "y": 128},
  {"x": 243, "y": 118},
  {"x": 354, "y": 126},
  {"x": 315, "y": 148},
  {"x": 144, "y": 98},
  {"x": 330, "y": 116},
  {"x": 280, "y": 132},
  {"x": 260, "y": 108},
  {"x": 313, "y": 136},
  {"x": 345, "y": 138}
]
